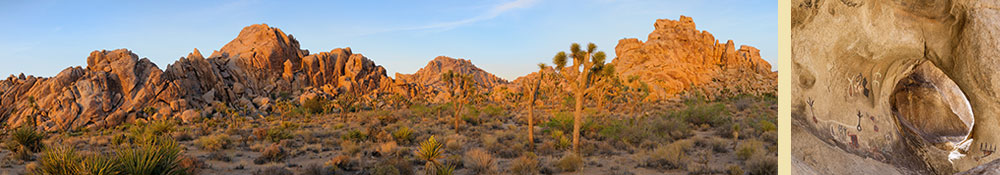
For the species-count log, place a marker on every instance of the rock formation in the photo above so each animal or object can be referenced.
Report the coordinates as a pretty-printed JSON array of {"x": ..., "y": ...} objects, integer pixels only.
[
  {"x": 895, "y": 81},
  {"x": 117, "y": 86},
  {"x": 677, "y": 57},
  {"x": 428, "y": 78}
]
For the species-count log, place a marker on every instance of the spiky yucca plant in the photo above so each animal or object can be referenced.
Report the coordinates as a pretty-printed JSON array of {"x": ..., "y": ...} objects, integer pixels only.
[
  {"x": 157, "y": 156},
  {"x": 29, "y": 138},
  {"x": 430, "y": 150},
  {"x": 58, "y": 161}
]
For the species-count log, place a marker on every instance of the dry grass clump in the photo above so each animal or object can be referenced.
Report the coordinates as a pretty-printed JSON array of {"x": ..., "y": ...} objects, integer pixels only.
[
  {"x": 762, "y": 163},
  {"x": 570, "y": 162},
  {"x": 214, "y": 142},
  {"x": 350, "y": 147},
  {"x": 272, "y": 153},
  {"x": 673, "y": 155},
  {"x": 387, "y": 148},
  {"x": 479, "y": 161},
  {"x": 527, "y": 164},
  {"x": 748, "y": 148}
]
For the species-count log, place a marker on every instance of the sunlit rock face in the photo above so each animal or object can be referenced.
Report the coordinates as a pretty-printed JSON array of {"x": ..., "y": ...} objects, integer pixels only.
[
  {"x": 677, "y": 57},
  {"x": 117, "y": 86},
  {"x": 863, "y": 79}
]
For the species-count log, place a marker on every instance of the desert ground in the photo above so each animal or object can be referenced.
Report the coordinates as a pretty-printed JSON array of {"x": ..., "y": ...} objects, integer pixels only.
[{"x": 689, "y": 136}]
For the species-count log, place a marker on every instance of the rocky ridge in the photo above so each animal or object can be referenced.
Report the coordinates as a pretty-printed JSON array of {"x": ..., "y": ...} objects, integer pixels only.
[
  {"x": 428, "y": 78},
  {"x": 263, "y": 65},
  {"x": 678, "y": 57}
]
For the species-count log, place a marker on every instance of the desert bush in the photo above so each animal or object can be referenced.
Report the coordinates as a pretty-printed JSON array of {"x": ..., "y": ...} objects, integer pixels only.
[
  {"x": 314, "y": 105},
  {"x": 492, "y": 110},
  {"x": 340, "y": 162},
  {"x": 762, "y": 163},
  {"x": 479, "y": 161},
  {"x": 527, "y": 164},
  {"x": 155, "y": 156},
  {"x": 161, "y": 127},
  {"x": 355, "y": 135},
  {"x": 274, "y": 170},
  {"x": 673, "y": 155},
  {"x": 27, "y": 138},
  {"x": 765, "y": 126},
  {"x": 712, "y": 114},
  {"x": 350, "y": 147},
  {"x": 213, "y": 142},
  {"x": 272, "y": 153},
  {"x": 393, "y": 166},
  {"x": 665, "y": 129},
  {"x": 100, "y": 165},
  {"x": 444, "y": 169},
  {"x": 561, "y": 141},
  {"x": 748, "y": 148},
  {"x": 385, "y": 169},
  {"x": 560, "y": 121},
  {"x": 734, "y": 170},
  {"x": 316, "y": 169},
  {"x": 570, "y": 162},
  {"x": 403, "y": 135},
  {"x": 59, "y": 160},
  {"x": 454, "y": 142},
  {"x": 387, "y": 148},
  {"x": 742, "y": 102}
]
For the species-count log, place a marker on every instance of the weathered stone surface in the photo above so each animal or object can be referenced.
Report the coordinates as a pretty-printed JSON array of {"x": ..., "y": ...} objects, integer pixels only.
[
  {"x": 853, "y": 63},
  {"x": 677, "y": 57},
  {"x": 263, "y": 47}
]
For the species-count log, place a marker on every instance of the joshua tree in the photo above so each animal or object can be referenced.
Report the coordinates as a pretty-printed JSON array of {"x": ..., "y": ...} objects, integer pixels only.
[
  {"x": 532, "y": 97},
  {"x": 589, "y": 60},
  {"x": 461, "y": 89}
]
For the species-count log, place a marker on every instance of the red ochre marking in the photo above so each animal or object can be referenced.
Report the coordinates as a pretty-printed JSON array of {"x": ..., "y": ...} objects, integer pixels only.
[{"x": 854, "y": 140}]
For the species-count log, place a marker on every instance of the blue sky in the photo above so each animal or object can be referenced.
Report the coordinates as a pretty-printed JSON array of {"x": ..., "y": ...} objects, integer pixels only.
[{"x": 505, "y": 37}]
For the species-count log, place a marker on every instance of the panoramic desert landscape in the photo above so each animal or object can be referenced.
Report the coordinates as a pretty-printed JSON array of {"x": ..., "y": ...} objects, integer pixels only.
[{"x": 678, "y": 102}]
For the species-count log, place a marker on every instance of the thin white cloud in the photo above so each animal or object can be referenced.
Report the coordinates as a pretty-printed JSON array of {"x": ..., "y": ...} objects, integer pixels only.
[{"x": 492, "y": 13}]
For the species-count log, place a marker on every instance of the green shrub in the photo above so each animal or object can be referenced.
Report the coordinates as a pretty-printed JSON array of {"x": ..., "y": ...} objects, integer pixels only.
[
  {"x": 58, "y": 161},
  {"x": 101, "y": 165},
  {"x": 281, "y": 132},
  {"x": 561, "y": 141},
  {"x": 444, "y": 169},
  {"x": 765, "y": 126},
  {"x": 403, "y": 134},
  {"x": 698, "y": 114},
  {"x": 28, "y": 138},
  {"x": 156, "y": 156},
  {"x": 561, "y": 121},
  {"x": 355, "y": 135},
  {"x": 315, "y": 105}
]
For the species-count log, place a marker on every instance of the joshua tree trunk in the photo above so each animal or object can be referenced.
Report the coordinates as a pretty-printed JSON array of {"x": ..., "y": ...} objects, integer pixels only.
[
  {"x": 578, "y": 116},
  {"x": 458, "y": 110}
]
